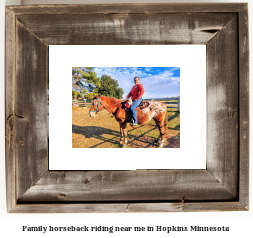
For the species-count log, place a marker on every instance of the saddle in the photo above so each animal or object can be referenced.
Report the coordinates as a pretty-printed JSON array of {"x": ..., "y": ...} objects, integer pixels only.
[{"x": 141, "y": 106}]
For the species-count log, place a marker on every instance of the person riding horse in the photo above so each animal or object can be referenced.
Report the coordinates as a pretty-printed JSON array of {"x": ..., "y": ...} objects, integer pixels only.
[{"x": 136, "y": 94}]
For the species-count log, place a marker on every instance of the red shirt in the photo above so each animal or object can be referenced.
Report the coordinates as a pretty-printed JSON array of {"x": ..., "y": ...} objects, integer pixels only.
[{"x": 136, "y": 92}]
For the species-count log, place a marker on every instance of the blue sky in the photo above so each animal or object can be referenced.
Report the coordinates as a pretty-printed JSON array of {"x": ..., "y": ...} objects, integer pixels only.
[{"x": 158, "y": 82}]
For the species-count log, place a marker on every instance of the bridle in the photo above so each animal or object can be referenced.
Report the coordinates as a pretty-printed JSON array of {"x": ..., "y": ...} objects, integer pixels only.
[
  {"x": 99, "y": 100},
  {"x": 98, "y": 105}
]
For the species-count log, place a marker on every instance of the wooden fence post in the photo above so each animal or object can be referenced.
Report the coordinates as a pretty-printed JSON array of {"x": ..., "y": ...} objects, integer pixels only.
[{"x": 178, "y": 103}]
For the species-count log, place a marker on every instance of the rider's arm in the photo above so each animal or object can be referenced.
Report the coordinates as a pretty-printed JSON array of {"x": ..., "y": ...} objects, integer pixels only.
[{"x": 129, "y": 95}]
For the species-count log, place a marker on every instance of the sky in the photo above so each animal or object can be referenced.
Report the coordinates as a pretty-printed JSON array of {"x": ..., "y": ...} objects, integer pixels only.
[{"x": 158, "y": 82}]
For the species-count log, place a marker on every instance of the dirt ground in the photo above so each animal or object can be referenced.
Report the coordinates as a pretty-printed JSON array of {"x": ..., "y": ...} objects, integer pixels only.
[{"x": 103, "y": 131}]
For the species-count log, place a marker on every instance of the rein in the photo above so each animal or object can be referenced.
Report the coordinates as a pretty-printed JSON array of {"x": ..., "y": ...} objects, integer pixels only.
[{"x": 99, "y": 100}]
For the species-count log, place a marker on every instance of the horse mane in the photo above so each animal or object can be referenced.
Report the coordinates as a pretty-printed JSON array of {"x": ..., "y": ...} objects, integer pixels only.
[{"x": 111, "y": 98}]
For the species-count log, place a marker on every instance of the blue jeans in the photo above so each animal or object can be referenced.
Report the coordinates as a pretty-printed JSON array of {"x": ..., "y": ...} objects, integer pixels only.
[{"x": 132, "y": 108}]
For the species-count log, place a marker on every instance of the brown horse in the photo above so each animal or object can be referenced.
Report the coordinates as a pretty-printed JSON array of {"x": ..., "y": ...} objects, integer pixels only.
[{"x": 156, "y": 110}]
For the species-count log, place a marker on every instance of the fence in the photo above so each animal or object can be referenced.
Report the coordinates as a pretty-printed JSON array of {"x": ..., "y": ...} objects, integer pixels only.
[
  {"x": 80, "y": 103},
  {"x": 167, "y": 101}
]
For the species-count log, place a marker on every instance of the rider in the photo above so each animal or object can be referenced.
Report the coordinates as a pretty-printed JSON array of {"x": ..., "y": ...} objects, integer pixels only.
[{"x": 136, "y": 94}]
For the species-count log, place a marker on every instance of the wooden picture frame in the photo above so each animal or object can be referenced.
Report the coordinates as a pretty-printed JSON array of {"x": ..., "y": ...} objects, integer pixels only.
[{"x": 222, "y": 186}]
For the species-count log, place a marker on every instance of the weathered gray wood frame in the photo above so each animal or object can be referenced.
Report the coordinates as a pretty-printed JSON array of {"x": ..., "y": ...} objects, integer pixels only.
[{"x": 222, "y": 186}]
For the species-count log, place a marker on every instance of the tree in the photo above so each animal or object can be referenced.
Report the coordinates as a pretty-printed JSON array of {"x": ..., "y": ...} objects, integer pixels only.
[
  {"x": 119, "y": 93},
  {"x": 75, "y": 94},
  {"x": 83, "y": 93},
  {"x": 89, "y": 96},
  {"x": 84, "y": 79},
  {"x": 110, "y": 87}
]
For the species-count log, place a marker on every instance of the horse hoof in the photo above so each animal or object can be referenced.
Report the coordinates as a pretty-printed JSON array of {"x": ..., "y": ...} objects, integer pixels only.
[
  {"x": 161, "y": 144},
  {"x": 124, "y": 146}
]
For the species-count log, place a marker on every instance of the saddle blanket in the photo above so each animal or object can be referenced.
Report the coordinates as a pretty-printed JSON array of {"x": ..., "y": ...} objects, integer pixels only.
[{"x": 141, "y": 106}]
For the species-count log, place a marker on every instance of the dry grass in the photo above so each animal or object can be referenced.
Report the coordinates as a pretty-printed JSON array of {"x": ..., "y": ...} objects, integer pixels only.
[{"x": 103, "y": 131}]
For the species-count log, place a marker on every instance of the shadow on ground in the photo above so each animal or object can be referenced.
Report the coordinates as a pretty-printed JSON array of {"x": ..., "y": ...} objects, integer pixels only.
[
  {"x": 143, "y": 136},
  {"x": 97, "y": 132},
  {"x": 103, "y": 134}
]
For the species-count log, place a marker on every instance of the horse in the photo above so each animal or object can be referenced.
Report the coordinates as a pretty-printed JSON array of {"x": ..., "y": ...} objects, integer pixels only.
[{"x": 156, "y": 111}]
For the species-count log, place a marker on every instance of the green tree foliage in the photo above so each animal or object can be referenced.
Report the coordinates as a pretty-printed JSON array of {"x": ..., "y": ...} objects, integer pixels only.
[
  {"x": 83, "y": 93},
  {"x": 110, "y": 87},
  {"x": 84, "y": 79},
  {"x": 75, "y": 94},
  {"x": 86, "y": 83},
  {"x": 119, "y": 93},
  {"x": 89, "y": 96}
]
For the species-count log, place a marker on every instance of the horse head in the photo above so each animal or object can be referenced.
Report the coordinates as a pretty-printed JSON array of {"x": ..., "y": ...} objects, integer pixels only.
[{"x": 96, "y": 106}]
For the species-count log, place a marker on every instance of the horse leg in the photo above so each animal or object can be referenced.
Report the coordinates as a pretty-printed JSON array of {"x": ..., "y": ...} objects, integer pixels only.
[
  {"x": 121, "y": 134},
  {"x": 162, "y": 126},
  {"x": 124, "y": 129},
  {"x": 162, "y": 137},
  {"x": 163, "y": 129},
  {"x": 158, "y": 125}
]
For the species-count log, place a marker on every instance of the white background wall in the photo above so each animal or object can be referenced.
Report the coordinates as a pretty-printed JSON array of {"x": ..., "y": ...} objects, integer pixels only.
[{"x": 239, "y": 222}]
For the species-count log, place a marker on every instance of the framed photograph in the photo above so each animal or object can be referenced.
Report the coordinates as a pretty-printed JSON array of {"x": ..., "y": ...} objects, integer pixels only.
[{"x": 59, "y": 159}]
